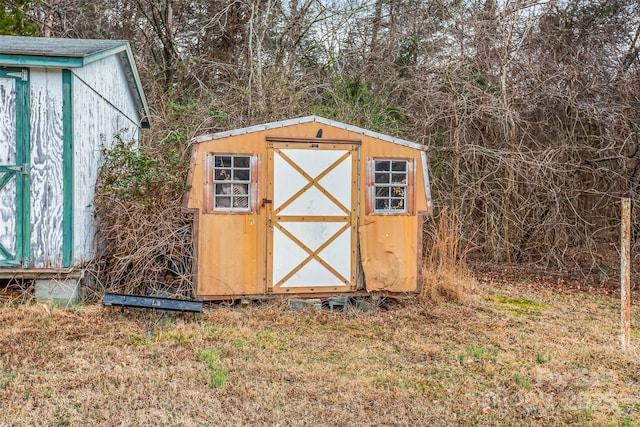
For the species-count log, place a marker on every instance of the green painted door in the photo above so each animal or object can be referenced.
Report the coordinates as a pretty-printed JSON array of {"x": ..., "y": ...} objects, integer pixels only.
[{"x": 14, "y": 167}]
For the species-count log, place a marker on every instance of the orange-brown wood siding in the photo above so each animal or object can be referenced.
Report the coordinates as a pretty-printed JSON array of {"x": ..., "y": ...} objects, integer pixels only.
[
  {"x": 389, "y": 253},
  {"x": 231, "y": 248},
  {"x": 230, "y": 254},
  {"x": 389, "y": 243}
]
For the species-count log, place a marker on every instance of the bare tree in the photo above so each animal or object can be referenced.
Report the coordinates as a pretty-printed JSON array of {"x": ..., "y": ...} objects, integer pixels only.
[{"x": 529, "y": 107}]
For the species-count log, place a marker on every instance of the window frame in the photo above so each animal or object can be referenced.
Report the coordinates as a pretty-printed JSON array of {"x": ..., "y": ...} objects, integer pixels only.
[
  {"x": 409, "y": 200},
  {"x": 210, "y": 182}
]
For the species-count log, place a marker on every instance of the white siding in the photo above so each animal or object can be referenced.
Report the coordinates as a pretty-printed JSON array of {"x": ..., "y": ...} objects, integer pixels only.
[
  {"x": 46, "y": 167},
  {"x": 103, "y": 106}
]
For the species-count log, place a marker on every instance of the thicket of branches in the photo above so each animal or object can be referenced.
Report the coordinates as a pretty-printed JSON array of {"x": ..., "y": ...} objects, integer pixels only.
[{"x": 530, "y": 108}]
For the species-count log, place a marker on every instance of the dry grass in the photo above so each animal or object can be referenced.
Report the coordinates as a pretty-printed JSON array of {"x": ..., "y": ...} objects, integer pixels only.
[
  {"x": 445, "y": 275},
  {"x": 512, "y": 357}
]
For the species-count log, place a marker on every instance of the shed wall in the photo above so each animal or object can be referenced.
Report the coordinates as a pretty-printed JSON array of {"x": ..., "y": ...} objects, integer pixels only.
[
  {"x": 46, "y": 173},
  {"x": 107, "y": 77},
  {"x": 231, "y": 247},
  {"x": 389, "y": 244},
  {"x": 102, "y": 108}
]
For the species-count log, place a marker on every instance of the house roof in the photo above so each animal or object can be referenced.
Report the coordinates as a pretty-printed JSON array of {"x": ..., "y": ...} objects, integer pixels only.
[
  {"x": 44, "y": 46},
  {"x": 299, "y": 120},
  {"x": 73, "y": 53}
]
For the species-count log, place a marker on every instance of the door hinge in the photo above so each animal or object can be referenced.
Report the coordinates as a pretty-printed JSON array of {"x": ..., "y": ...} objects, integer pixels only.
[
  {"x": 22, "y": 75},
  {"x": 23, "y": 169}
]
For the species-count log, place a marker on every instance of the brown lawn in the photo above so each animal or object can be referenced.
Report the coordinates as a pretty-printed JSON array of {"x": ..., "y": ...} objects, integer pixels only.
[{"x": 514, "y": 355}]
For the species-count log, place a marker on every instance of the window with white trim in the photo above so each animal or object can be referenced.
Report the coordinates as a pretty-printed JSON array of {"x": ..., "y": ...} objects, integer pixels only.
[
  {"x": 231, "y": 182},
  {"x": 391, "y": 185}
]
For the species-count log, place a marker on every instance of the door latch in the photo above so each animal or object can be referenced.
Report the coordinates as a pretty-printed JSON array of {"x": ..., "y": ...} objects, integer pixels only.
[{"x": 265, "y": 201}]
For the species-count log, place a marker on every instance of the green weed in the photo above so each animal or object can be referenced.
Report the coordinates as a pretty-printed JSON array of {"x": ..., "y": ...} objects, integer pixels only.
[
  {"x": 181, "y": 339},
  {"x": 520, "y": 306},
  {"x": 522, "y": 381},
  {"x": 139, "y": 340},
  {"x": 61, "y": 419},
  {"x": 522, "y": 303},
  {"x": 478, "y": 354},
  {"x": 542, "y": 358},
  {"x": 218, "y": 378},
  {"x": 587, "y": 411},
  {"x": 211, "y": 358},
  {"x": 626, "y": 422},
  {"x": 266, "y": 340},
  {"x": 7, "y": 377}
]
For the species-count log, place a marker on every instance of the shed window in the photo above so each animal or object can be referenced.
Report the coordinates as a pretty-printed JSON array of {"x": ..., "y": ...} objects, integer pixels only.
[
  {"x": 392, "y": 186},
  {"x": 230, "y": 182}
]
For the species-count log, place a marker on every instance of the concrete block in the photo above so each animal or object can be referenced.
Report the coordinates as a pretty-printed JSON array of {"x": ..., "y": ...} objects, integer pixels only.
[
  {"x": 338, "y": 301},
  {"x": 298, "y": 304},
  {"x": 364, "y": 305},
  {"x": 63, "y": 293}
]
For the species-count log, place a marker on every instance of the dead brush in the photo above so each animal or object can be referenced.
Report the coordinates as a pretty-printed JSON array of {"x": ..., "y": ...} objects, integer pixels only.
[
  {"x": 144, "y": 241},
  {"x": 14, "y": 292},
  {"x": 445, "y": 274},
  {"x": 144, "y": 251}
]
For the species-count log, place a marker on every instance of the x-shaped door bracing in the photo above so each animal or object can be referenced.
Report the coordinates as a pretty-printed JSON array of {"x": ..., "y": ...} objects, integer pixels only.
[{"x": 341, "y": 218}]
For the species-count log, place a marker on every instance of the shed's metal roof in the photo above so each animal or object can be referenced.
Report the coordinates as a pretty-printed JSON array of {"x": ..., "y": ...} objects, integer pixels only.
[
  {"x": 43, "y": 46},
  {"x": 299, "y": 120},
  {"x": 18, "y": 51}
]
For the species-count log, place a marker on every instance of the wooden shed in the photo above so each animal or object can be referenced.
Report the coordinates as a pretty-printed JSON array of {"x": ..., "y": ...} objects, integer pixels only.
[
  {"x": 61, "y": 102},
  {"x": 307, "y": 206}
]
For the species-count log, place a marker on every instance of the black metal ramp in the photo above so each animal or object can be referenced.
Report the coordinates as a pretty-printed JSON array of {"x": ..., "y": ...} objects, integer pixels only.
[
  {"x": 155, "y": 304},
  {"x": 167, "y": 305}
]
